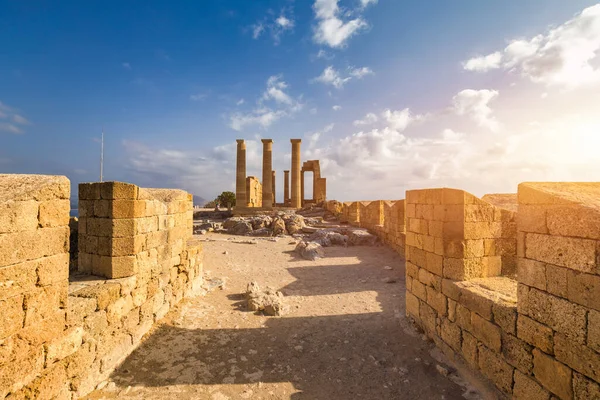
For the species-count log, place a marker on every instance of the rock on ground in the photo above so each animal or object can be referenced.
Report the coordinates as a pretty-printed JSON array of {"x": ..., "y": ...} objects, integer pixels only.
[
  {"x": 231, "y": 222},
  {"x": 310, "y": 250},
  {"x": 294, "y": 223},
  {"x": 269, "y": 301},
  {"x": 278, "y": 226},
  {"x": 240, "y": 228},
  {"x": 362, "y": 238},
  {"x": 328, "y": 238}
]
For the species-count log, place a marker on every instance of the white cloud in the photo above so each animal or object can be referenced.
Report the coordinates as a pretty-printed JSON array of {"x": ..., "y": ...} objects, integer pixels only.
[
  {"x": 257, "y": 30},
  {"x": 483, "y": 63},
  {"x": 126, "y": 65},
  {"x": 474, "y": 103},
  {"x": 331, "y": 29},
  {"x": 274, "y": 104},
  {"x": 11, "y": 121},
  {"x": 331, "y": 76},
  {"x": 275, "y": 26},
  {"x": 366, "y": 3},
  {"x": 324, "y": 55},
  {"x": 313, "y": 138},
  {"x": 240, "y": 102},
  {"x": 566, "y": 56},
  {"x": 400, "y": 120},
  {"x": 336, "y": 108},
  {"x": 198, "y": 96},
  {"x": 369, "y": 119},
  {"x": 359, "y": 73}
]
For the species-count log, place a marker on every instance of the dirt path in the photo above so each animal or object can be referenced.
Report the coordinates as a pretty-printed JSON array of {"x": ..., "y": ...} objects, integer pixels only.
[{"x": 345, "y": 336}]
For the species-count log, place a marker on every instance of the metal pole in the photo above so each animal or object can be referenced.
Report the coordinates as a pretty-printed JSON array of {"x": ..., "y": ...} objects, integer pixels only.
[{"x": 102, "y": 155}]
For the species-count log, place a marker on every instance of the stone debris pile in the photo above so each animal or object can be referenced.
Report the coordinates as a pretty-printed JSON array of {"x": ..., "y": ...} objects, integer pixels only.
[{"x": 269, "y": 301}]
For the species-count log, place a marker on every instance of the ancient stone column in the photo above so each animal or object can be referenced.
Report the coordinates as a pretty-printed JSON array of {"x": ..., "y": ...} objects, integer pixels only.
[
  {"x": 240, "y": 174},
  {"x": 274, "y": 192},
  {"x": 286, "y": 187},
  {"x": 296, "y": 199},
  {"x": 267, "y": 173}
]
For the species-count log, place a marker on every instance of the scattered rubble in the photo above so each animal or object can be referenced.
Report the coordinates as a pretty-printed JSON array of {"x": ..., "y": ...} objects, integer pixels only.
[
  {"x": 310, "y": 250},
  {"x": 362, "y": 238},
  {"x": 269, "y": 301}
]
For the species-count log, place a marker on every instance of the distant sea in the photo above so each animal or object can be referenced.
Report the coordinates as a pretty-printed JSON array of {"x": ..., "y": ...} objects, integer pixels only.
[{"x": 74, "y": 212}]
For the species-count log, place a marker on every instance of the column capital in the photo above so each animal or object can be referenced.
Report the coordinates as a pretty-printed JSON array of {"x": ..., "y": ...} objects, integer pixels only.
[
  {"x": 240, "y": 141},
  {"x": 265, "y": 141},
  {"x": 286, "y": 170},
  {"x": 296, "y": 141}
]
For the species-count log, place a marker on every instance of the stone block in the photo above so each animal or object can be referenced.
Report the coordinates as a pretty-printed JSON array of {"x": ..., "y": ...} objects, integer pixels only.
[
  {"x": 52, "y": 269},
  {"x": 127, "y": 209},
  {"x": 574, "y": 221},
  {"x": 124, "y": 227},
  {"x": 412, "y": 270},
  {"x": 17, "y": 216},
  {"x": 451, "y": 334},
  {"x": 30, "y": 245},
  {"x": 496, "y": 369},
  {"x": 584, "y": 388},
  {"x": 529, "y": 389},
  {"x": 16, "y": 375},
  {"x": 535, "y": 334},
  {"x": 17, "y": 278},
  {"x": 96, "y": 323},
  {"x": 434, "y": 263},
  {"x": 463, "y": 318},
  {"x": 573, "y": 253},
  {"x": 412, "y": 305},
  {"x": 556, "y": 280},
  {"x": 428, "y": 319},
  {"x": 579, "y": 357},
  {"x": 451, "y": 289},
  {"x": 452, "y": 310},
  {"x": 419, "y": 290},
  {"x": 469, "y": 349},
  {"x": 482, "y": 230},
  {"x": 476, "y": 302},
  {"x": 44, "y": 301},
  {"x": 517, "y": 353},
  {"x": 104, "y": 294},
  {"x": 505, "y": 316},
  {"x": 437, "y": 301},
  {"x": 478, "y": 213},
  {"x": 118, "y": 190},
  {"x": 593, "y": 330},
  {"x": 532, "y": 218},
  {"x": 584, "y": 289},
  {"x": 89, "y": 191},
  {"x": 102, "y": 208},
  {"x": 50, "y": 327},
  {"x": 553, "y": 375},
  {"x": 67, "y": 344},
  {"x": 12, "y": 317},
  {"x": 532, "y": 273},
  {"x": 488, "y": 333},
  {"x": 559, "y": 314},
  {"x": 147, "y": 225},
  {"x": 79, "y": 308}
]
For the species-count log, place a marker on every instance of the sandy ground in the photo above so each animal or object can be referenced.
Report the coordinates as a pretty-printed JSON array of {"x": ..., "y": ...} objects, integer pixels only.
[{"x": 344, "y": 337}]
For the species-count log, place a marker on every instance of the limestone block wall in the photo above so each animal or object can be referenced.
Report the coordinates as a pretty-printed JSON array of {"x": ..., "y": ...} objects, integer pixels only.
[
  {"x": 320, "y": 186},
  {"x": 559, "y": 286},
  {"x": 34, "y": 269},
  {"x": 253, "y": 192},
  {"x": 394, "y": 234},
  {"x": 372, "y": 218},
  {"x": 534, "y": 337},
  {"x": 59, "y": 339},
  {"x": 363, "y": 218},
  {"x": 121, "y": 226},
  {"x": 352, "y": 212}
]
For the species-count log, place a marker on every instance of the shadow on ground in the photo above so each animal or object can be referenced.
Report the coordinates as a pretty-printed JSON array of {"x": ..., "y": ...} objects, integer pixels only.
[{"x": 370, "y": 355}]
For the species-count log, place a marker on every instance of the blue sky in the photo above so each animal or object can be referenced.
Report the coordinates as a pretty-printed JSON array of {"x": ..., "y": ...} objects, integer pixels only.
[{"x": 389, "y": 94}]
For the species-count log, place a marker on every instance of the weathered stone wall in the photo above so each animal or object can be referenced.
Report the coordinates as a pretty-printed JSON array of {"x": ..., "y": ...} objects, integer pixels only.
[
  {"x": 59, "y": 340},
  {"x": 394, "y": 233},
  {"x": 34, "y": 270},
  {"x": 120, "y": 224},
  {"x": 535, "y": 337}
]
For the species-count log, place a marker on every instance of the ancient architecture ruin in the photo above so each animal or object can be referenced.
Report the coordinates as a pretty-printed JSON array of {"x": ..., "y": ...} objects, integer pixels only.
[
  {"x": 508, "y": 285},
  {"x": 264, "y": 193}
]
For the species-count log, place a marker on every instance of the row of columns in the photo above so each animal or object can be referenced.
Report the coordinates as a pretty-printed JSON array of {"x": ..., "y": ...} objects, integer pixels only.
[{"x": 268, "y": 175}]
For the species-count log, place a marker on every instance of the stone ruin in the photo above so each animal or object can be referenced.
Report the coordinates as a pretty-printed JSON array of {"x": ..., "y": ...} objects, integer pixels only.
[
  {"x": 508, "y": 285},
  {"x": 62, "y": 333},
  {"x": 254, "y": 195}
]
